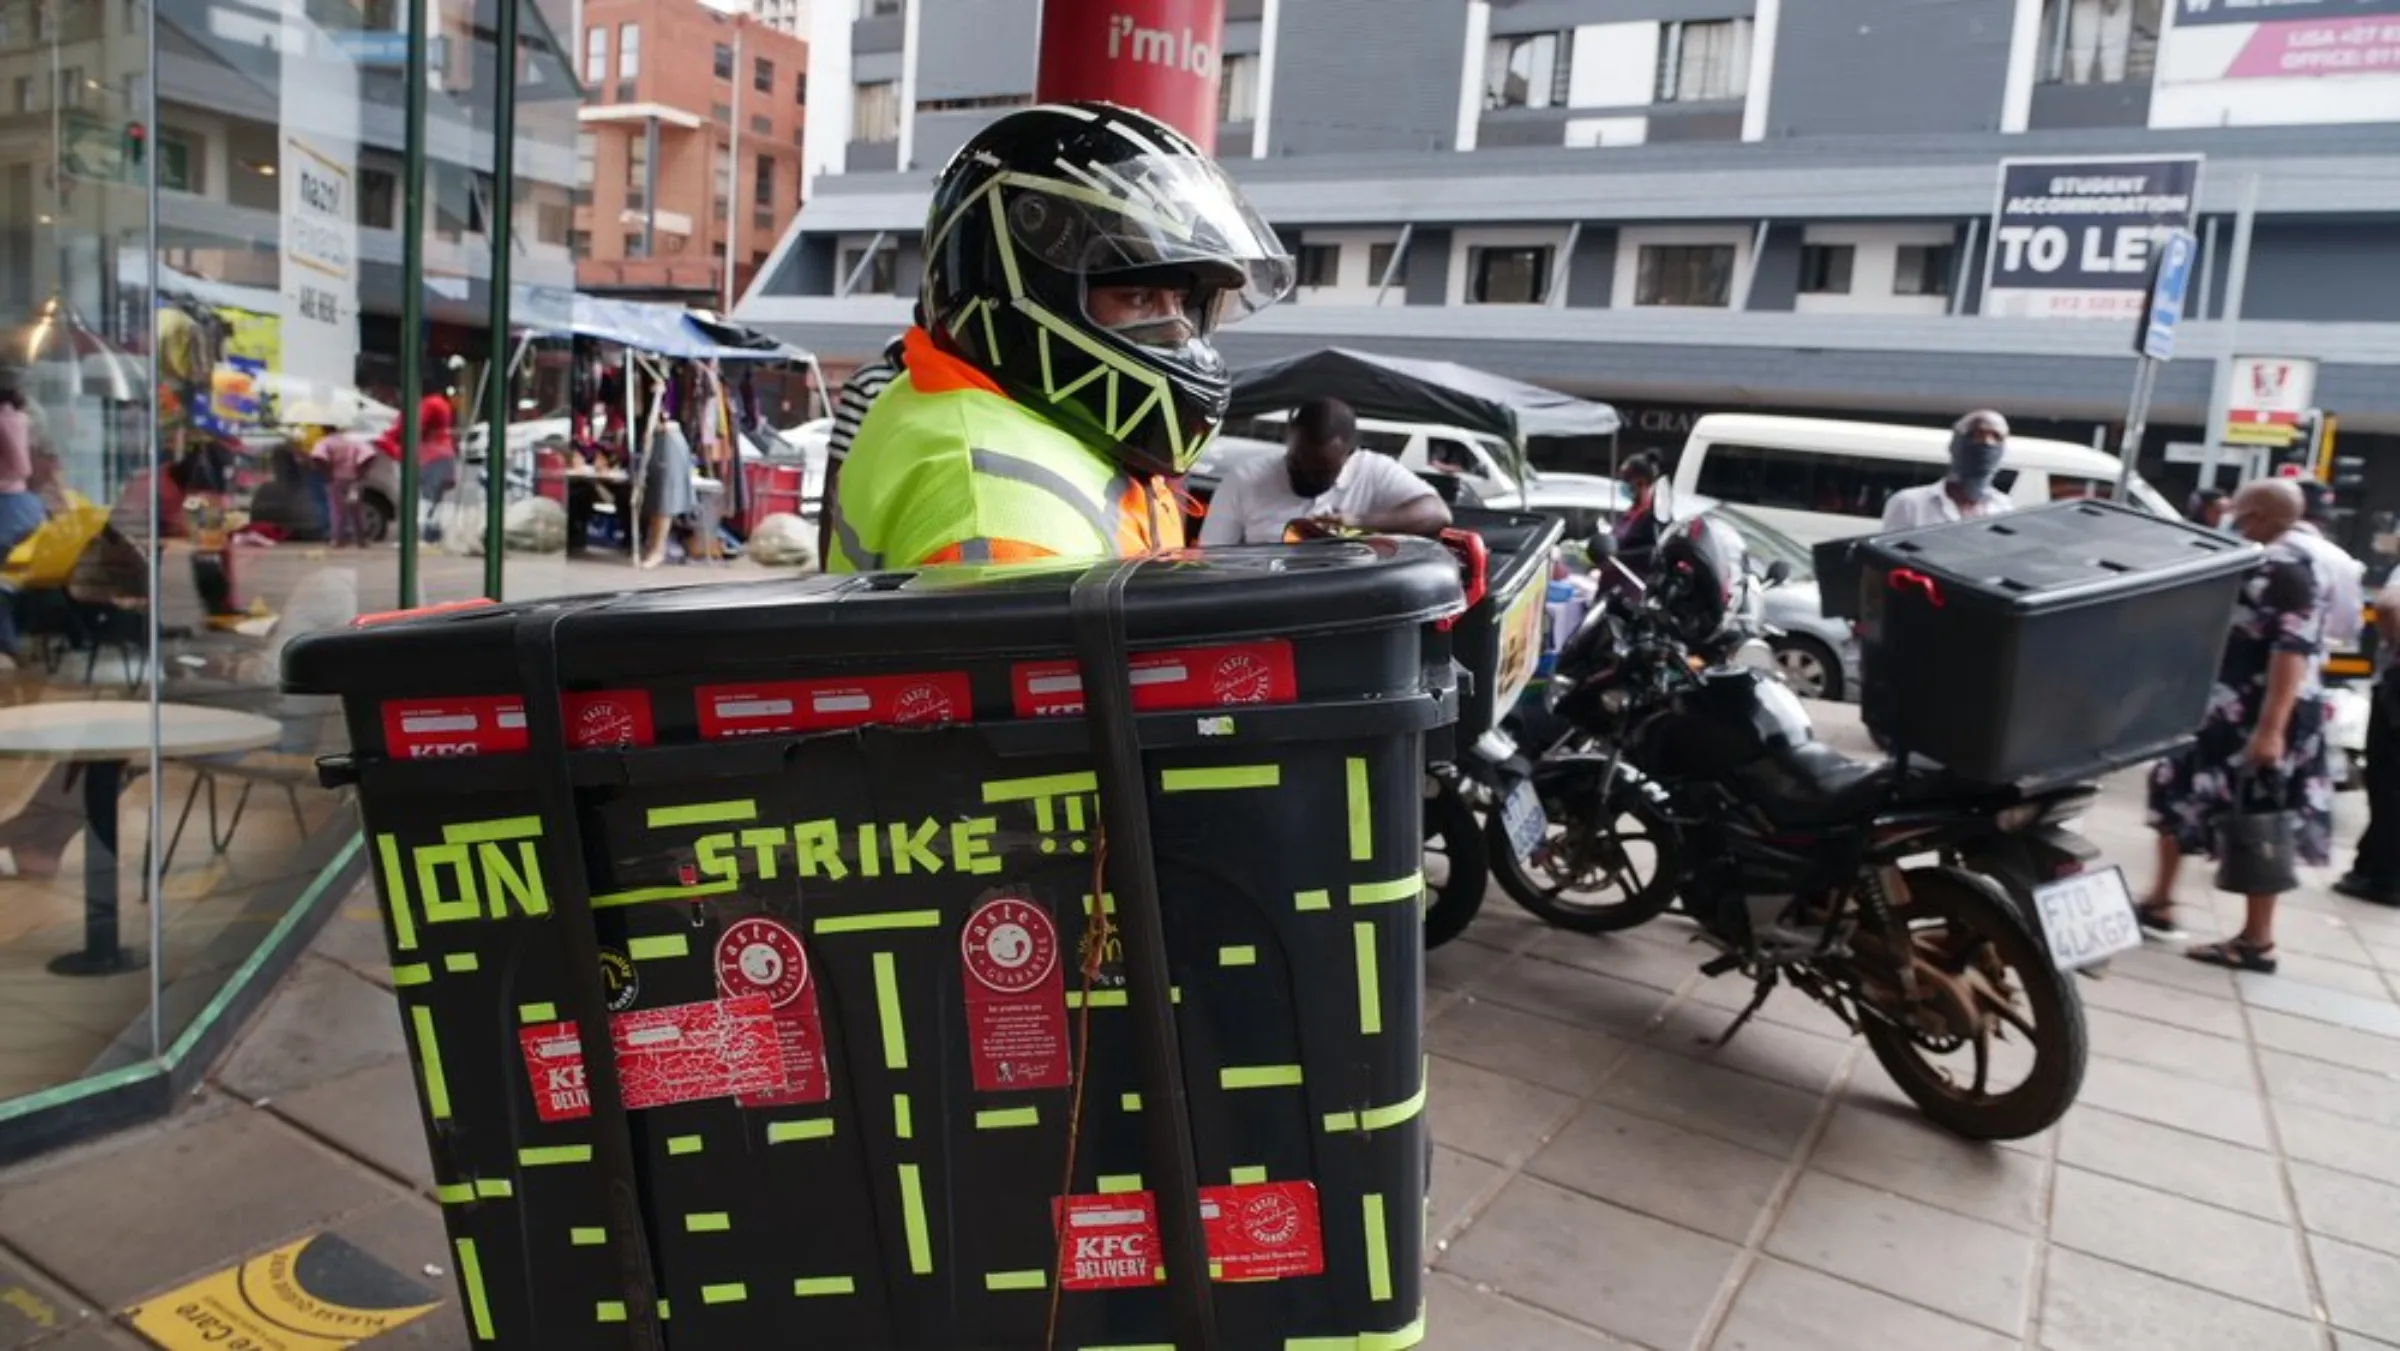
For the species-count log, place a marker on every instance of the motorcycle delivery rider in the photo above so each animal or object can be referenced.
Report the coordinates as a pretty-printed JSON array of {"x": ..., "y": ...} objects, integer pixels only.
[{"x": 1079, "y": 258}]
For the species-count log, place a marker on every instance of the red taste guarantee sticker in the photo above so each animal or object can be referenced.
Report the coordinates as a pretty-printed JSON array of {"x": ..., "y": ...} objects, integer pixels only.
[
  {"x": 1016, "y": 1003},
  {"x": 758, "y": 956}
]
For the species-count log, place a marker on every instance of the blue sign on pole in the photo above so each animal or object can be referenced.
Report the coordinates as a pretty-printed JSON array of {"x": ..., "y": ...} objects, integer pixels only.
[
  {"x": 2169, "y": 281},
  {"x": 372, "y": 47}
]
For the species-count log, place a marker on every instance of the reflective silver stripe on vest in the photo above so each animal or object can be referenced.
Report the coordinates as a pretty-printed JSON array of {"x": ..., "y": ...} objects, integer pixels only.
[
  {"x": 862, "y": 559},
  {"x": 1044, "y": 480}
]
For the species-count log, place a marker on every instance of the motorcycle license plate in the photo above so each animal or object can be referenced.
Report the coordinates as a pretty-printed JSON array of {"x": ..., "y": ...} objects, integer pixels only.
[
  {"x": 1521, "y": 816},
  {"x": 2087, "y": 918}
]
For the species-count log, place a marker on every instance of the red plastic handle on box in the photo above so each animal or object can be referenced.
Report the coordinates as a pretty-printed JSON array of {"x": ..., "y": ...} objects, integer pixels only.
[
  {"x": 1909, "y": 579},
  {"x": 1475, "y": 561},
  {"x": 368, "y": 621}
]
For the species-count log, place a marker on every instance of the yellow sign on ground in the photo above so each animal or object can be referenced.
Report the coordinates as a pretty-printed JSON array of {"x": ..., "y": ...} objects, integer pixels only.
[{"x": 317, "y": 1294}]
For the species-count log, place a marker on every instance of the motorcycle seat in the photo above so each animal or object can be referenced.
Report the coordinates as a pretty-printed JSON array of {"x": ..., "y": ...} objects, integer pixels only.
[{"x": 1813, "y": 785}]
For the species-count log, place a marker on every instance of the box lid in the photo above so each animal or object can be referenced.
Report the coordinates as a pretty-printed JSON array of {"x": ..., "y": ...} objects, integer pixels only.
[
  {"x": 2063, "y": 552},
  {"x": 1310, "y": 590}
]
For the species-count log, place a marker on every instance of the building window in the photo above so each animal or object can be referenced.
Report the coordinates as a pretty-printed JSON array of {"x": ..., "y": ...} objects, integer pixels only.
[
  {"x": 1528, "y": 72},
  {"x": 179, "y": 165},
  {"x": 1320, "y": 264},
  {"x": 724, "y": 183},
  {"x": 1703, "y": 61},
  {"x": 1825, "y": 269},
  {"x": 877, "y": 116},
  {"x": 587, "y": 158},
  {"x": 800, "y": 89},
  {"x": 1684, "y": 274},
  {"x": 724, "y": 62},
  {"x": 721, "y": 114},
  {"x": 761, "y": 125},
  {"x": 762, "y": 184},
  {"x": 629, "y": 51},
  {"x": 762, "y": 75},
  {"x": 1925, "y": 269},
  {"x": 579, "y": 243},
  {"x": 378, "y": 198},
  {"x": 29, "y": 94},
  {"x": 552, "y": 222},
  {"x": 2099, "y": 41},
  {"x": 877, "y": 280},
  {"x": 1237, "y": 90},
  {"x": 878, "y": 9},
  {"x": 633, "y": 246},
  {"x": 595, "y": 56},
  {"x": 70, "y": 87},
  {"x": 637, "y": 169},
  {"x": 1379, "y": 261},
  {"x": 1508, "y": 276}
]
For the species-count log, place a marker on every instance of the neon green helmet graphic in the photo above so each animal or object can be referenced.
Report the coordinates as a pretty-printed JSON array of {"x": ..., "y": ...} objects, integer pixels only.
[{"x": 1083, "y": 255}]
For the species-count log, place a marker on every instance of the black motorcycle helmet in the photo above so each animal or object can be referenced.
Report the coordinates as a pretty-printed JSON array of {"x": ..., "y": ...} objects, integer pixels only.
[
  {"x": 1701, "y": 567},
  {"x": 1053, "y": 203}
]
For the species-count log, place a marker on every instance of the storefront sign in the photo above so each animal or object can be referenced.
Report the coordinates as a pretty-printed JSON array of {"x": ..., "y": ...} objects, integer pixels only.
[
  {"x": 2216, "y": 13},
  {"x": 318, "y": 171},
  {"x": 2073, "y": 238},
  {"x": 1161, "y": 56},
  {"x": 2270, "y": 395}
]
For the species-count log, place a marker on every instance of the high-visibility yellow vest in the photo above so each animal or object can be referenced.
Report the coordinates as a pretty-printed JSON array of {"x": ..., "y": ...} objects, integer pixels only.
[{"x": 947, "y": 469}]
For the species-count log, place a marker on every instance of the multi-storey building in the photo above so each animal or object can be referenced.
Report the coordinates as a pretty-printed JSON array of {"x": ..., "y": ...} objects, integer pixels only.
[
  {"x": 689, "y": 146},
  {"x": 784, "y": 16},
  {"x": 1684, "y": 205}
]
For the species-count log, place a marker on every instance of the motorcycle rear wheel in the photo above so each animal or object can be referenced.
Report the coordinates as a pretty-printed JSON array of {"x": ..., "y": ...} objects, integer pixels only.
[
  {"x": 1453, "y": 833},
  {"x": 1947, "y": 906}
]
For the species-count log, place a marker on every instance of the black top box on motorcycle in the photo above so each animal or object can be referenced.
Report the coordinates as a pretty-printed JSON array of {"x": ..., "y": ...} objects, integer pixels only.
[
  {"x": 2046, "y": 644},
  {"x": 1498, "y": 641},
  {"x": 838, "y": 857}
]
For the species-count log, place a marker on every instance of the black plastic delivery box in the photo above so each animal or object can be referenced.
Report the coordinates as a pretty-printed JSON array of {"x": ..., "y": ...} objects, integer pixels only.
[
  {"x": 832, "y": 850},
  {"x": 2052, "y": 643}
]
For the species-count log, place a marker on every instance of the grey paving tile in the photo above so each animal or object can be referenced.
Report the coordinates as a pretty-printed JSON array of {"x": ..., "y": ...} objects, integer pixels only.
[
  {"x": 1627, "y": 1275},
  {"x": 2154, "y": 964},
  {"x": 2090, "y": 1304},
  {"x": 32, "y": 1308},
  {"x": 2173, "y": 1161},
  {"x": 2161, "y": 1004},
  {"x": 1662, "y": 1170},
  {"x": 2298, "y": 968},
  {"x": 1538, "y": 1050},
  {"x": 323, "y": 1021},
  {"x": 1662, "y": 968},
  {"x": 2319, "y": 934},
  {"x": 1461, "y": 1184},
  {"x": 1786, "y": 1007},
  {"x": 1731, "y": 1106},
  {"x": 2351, "y": 1341},
  {"x": 1459, "y": 1317},
  {"x": 2325, "y": 1041},
  {"x": 1786, "y": 1055},
  {"x": 1461, "y": 965},
  {"x": 1788, "y": 1308},
  {"x": 371, "y": 1113},
  {"x": 1572, "y": 995},
  {"x": 1493, "y": 1116},
  {"x": 353, "y": 936},
  {"x": 1871, "y": 1088},
  {"x": 2367, "y": 1014},
  {"x": 2233, "y": 1254},
  {"x": 2362, "y": 1287},
  {"x": 1903, "y": 1152},
  {"x": 407, "y": 1237},
  {"x": 95, "y": 1337},
  {"x": 2332, "y": 1088},
  {"x": 2348, "y": 1207},
  {"x": 2339, "y": 1142},
  {"x": 2177, "y": 1050},
  {"x": 1961, "y": 1267},
  {"x": 2231, "y": 1114},
  {"x": 164, "y": 1205}
]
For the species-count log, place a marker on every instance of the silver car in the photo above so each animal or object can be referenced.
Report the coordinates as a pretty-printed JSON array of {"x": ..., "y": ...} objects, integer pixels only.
[{"x": 1817, "y": 656}]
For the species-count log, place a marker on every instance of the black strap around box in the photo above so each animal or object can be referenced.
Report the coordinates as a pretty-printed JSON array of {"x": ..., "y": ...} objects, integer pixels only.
[
  {"x": 587, "y": 1003},
  {"x": 1098, "y": 607}
]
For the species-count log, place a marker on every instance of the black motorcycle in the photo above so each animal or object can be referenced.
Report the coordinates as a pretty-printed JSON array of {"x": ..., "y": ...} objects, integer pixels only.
[{"x": 1794, "y": 860}]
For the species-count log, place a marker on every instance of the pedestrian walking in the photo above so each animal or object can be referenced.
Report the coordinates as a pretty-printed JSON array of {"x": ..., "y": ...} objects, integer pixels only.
[
  {"x": 2374, "y": 874},
  {"x": 2262, "y": 743}
]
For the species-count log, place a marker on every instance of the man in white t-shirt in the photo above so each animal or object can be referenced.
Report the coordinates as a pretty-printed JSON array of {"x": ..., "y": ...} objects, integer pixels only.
[
  {"x": 1320, "y": 485},
  {"x": 1977, "y": 443}
]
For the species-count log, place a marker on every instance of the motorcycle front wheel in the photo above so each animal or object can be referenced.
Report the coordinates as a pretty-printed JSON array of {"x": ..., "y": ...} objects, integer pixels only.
[
  {"x": 1456, "y": 871},
  {"x": 1605, "y": 867},
  {"x": 1990, "y": 1003}
]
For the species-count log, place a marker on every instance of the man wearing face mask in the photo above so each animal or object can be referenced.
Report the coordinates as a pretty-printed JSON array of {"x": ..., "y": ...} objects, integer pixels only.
[
  {"x": 1320, "y": 485},
  {"x": 1977, "y": 443},
  {"x": 1078, "y": 258}
]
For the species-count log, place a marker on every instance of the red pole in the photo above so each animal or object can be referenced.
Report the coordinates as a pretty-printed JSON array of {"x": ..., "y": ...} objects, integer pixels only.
[{"x": 1158, "y": 56}]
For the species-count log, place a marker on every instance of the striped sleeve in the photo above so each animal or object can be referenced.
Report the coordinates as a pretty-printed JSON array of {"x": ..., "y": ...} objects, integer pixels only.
[{"x": 858, "y": 395}]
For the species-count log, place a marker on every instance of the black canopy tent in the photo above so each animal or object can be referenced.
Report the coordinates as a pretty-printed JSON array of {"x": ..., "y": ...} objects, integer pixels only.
[{"x": 1404, "y": 389}]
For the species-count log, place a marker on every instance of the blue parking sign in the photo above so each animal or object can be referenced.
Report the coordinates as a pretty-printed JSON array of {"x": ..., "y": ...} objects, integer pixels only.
[{"x": 2169, "y": 281}]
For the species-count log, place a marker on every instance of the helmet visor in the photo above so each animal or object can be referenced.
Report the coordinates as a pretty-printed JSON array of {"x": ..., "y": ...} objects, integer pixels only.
[{"x": 1152, "y": 219}]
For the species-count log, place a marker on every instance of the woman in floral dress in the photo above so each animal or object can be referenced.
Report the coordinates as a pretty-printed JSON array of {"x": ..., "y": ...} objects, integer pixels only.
[{"x": 2265, "y": 723}]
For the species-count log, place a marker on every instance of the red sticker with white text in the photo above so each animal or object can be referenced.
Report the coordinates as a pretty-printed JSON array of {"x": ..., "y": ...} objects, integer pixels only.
[
  {"x": 1016, "y": 1002},
  {"x": 1167, "y": 682},
  {"x": 431, "y": 729},
  {"x": 684, "y": 1053},
  {"x": 823, "y": 705},
  {"x": 762, "y": 957},
  {"x": 607, "y": 719},
  {"x": 1257, "y": 1231}
]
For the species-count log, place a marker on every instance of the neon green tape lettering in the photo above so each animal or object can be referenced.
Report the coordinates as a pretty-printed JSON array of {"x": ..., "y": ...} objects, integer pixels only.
[
  {"x": 429, "y": 1054},
  {"x": 1249, "y": 1174},
  {"x": 470, "y": 1279},
  {"x": 912, "y": 1215},
  {"x": 703, "y": 814},
  {"x": 520, "y": 881},
  {"x": 537, "y": 1013},
  {"x": 1379, "y": 1248},
  {"x": 658, "y": 947},
  {"x": 1131, "y": 1102},
  {"x": 904, "y": 1122},
  {"x": 610, "y": 1311},
  {"x": 415, "y": 973},
  {"x": 870, "y": 852},
  {"x": 1015, "y": 1280},
  {"x": 1409, "y": 888},
  {"x": 712, "y": 1222},
  {"x": 460, "y": 963},
  {"x": 678, "y": 1145},
  {"x": 766, "y": 849},
  {"x": 495, "y": 1188},
  {"x": 1217, "y": 780},
  {"x": 1259, "y": 1076},
  {"x": 554, "y": 1154},
  {"x": 462, "y": 901},
  {"x": 587, "y": 1238},
  {"x": 887, "y": 1005},
  {"x": 971, "y": 845},
  {"x": 1007, "y": 1118},
  {"x": 494, "y": 832},
  {"x": 1118, "y": 1184},
  {"x": 395, "y": 893},
  {"x": 1047, "y": 786},
  {"x": 912, "y": 849},
  {"x": 713, "y": 858},
  {"x": 1362, "y": 816},
  {"x": 1370, "y": 981},
  {"x": 788, "y": 1132},
  {"x": 808, "y": 1286},
  {"x": 818, "y": 850},
  {"x": 1313, "y": 900},
  {"x": 1243, "y": 955},
  {"x": 454, "y": 1193},
  {"x": 731, "y": 1293}
]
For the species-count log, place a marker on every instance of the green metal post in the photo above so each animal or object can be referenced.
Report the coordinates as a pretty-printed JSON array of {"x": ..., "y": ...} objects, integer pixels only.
[
  {"x": 412, "y": 296},
  {"x": 498, "y": 388}
]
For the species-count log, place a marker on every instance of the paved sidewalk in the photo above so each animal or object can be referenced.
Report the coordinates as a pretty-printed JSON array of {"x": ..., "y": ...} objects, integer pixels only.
[{"x": 1603, "y": 1179}]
